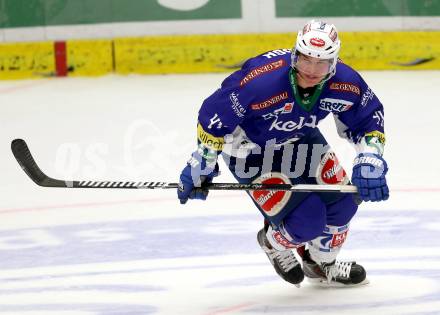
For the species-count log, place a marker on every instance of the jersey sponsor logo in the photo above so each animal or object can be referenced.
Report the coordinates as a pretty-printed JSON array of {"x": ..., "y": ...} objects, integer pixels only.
[
  {"x": 208, "y": 140},
  {"x": 288, "y": 107},
  {"x": 291, "y": 125},
  {"x": 271, "y": 202},
  {"x": 345, "y": 87},
  {"x": 366, "y": 97},
  {"x": 273, "y": 115},
  {"x": 334, "y": 105},
  {"x": 330, "y": 171},
  {"x": 236, "y": 106},
  {"x": 277, "y": 52},
  {"x": 267, "y": 68},
  {"x": 318, "y": 42},
  {"x": 270, "y": 102}
]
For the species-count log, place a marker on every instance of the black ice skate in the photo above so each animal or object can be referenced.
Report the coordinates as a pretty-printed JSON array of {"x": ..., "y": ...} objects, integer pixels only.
[
  {"x": 284, "y": 262},
  {"x": 336, "y": 273}
]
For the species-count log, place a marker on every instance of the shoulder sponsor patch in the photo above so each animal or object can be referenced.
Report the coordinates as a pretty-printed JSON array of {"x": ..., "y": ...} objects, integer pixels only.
[
  {"x": 267, "y": 68},
  {"x": 238, "y": 109},
  {"x": 366, "y": 97},
  {"x": 334, "y": 105},
  {"x": 345, "y": 87},
  {"x": 270, "y": 102},
  {"x": 208, "y": 140}
]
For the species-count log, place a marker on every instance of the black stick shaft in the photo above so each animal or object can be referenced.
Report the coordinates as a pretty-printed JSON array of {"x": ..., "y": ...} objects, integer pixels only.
[{"x": 24, "y": 158}]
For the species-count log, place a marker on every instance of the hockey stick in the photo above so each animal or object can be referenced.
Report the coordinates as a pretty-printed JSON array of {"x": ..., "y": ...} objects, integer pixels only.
[{"x": 24, "y": 158}]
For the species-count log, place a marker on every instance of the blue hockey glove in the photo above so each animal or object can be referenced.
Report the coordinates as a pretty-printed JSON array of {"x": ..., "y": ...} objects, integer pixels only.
[
  {"x": 369, "y": 172},
  {"x": 194, "y": 176}
]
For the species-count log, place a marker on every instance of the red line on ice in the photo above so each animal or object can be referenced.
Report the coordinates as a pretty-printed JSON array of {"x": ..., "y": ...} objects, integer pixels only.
[
  {"x": 32, "y": 84},
  {"x": 166, "y": 199},
  {"x": 231, "y": 309}
]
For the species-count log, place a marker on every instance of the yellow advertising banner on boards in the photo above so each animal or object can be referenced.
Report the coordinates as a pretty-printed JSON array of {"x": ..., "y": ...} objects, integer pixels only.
[
  {"x": 196, "y": 36},
  {"x": 211, "y": 53}
]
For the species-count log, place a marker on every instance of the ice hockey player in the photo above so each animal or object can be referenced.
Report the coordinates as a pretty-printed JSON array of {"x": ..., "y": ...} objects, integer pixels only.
[{"x": 264, "y": 121}]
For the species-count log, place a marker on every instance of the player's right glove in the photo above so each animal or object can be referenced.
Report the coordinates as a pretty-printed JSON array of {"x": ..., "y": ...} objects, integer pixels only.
[
  {"x": 369, "y": 172},
  {"x": 197, "y": 173}
]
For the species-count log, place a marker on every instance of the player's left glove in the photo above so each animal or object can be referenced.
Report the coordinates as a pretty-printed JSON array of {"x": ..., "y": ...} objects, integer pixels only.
[{"x": 369, "y": 172}]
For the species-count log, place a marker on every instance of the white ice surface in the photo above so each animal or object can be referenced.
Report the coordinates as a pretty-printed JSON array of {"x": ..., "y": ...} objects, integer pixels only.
[{"x": 132, "y": 252}]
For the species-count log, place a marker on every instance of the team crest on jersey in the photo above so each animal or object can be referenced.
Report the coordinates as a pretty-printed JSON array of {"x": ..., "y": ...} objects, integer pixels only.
[
  {"x": 267, "y": 68},
  {"x": 270, "y": 102},
  {"x": 271, "y": 202},
  {"x": 345, "y": 87},
  {"x": 330, "y": 171}
]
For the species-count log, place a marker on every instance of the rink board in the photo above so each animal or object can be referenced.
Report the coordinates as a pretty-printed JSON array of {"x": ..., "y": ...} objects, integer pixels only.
[{"x": 208, "y": 53}]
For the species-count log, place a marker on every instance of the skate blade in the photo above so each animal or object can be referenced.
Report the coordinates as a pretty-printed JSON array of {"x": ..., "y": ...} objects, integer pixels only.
[{"x": 325, "y": 284}]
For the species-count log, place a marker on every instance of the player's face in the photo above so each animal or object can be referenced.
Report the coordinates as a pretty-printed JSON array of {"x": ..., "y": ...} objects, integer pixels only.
[{"x": 311, "y": 70}]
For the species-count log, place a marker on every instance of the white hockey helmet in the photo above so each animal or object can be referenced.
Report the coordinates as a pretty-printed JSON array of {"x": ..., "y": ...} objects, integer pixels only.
[{"x": 319, "y": 40}]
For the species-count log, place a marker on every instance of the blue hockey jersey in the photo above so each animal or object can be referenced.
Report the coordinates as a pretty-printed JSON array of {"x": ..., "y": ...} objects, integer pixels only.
[{"x": 256, "y": 106}]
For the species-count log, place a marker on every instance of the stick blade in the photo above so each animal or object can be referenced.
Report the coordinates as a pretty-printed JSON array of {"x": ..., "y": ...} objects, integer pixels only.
[{"x": 26, "y": 161}]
